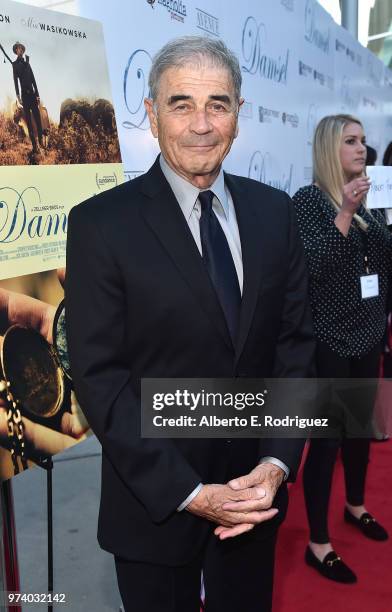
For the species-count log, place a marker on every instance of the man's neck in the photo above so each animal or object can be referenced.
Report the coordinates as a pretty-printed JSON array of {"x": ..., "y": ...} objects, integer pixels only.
[{"x": 200, "y": 181}]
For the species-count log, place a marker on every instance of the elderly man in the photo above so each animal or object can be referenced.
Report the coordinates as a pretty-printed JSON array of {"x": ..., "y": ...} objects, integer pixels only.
[{"x": 187, "y": 272}]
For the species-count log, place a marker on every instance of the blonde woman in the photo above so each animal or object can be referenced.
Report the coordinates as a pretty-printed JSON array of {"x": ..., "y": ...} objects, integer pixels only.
[{"x": 349, "y": 252}]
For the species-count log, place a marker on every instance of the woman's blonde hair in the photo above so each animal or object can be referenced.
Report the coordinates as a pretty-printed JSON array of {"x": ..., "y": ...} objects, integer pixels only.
[{"x": 327, "y": 169}]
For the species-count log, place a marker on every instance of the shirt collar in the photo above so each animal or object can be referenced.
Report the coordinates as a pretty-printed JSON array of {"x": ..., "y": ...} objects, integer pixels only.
[{"x": 186, "y": 193}]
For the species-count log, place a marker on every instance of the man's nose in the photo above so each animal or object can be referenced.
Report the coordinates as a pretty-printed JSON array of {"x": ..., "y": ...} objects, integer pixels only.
[{"x": 200, "y": 123}]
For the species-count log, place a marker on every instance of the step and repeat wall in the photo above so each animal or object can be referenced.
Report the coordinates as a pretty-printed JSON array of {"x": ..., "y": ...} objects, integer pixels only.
[{"x": 297, "y": 66}]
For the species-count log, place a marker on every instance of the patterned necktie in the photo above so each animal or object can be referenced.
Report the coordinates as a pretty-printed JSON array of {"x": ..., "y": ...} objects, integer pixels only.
[{"x": 220, "y": 265}]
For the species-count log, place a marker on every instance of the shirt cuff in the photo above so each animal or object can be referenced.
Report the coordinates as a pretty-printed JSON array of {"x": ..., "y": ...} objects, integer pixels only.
[
  {"x": 278, "y": 463},
  {"x": 189, "y": 498}
]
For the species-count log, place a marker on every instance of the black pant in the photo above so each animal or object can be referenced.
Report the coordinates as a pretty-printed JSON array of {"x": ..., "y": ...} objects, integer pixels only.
[
  {"x": 30, "y": 105},
  {"x": 238, "y": 576},
  {"x": 318, "y": 470}
]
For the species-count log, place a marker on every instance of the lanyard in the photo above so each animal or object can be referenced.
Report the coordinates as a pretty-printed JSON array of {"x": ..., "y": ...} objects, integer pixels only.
[{"x": 364, "y": 247}]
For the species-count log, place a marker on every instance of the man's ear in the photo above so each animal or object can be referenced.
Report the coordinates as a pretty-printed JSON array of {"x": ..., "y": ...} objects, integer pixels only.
[
  {"x": 149, "y": 106},
  {"x": 240, "y": 103}
]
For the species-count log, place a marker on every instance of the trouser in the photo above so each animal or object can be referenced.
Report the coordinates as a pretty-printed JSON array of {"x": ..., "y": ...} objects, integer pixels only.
[
  {"x": 30, "y": 105},
  {"x": 237, "y": 574},
  {"x": 319, "y": 466}
]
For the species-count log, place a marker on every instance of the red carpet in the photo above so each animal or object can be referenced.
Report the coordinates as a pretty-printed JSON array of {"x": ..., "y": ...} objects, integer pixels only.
[{"x": 299, "y": 588}]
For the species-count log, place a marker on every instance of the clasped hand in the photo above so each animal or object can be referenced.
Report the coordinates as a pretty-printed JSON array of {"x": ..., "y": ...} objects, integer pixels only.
[{"x": 240, "y": 504}]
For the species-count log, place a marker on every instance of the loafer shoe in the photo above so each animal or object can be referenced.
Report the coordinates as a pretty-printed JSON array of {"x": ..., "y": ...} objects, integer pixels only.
[
  {"x": 368, "y": 525},
  {"x": 331, "y": 567}
]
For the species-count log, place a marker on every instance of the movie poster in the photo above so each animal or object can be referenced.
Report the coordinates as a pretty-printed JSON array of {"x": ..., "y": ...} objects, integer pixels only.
[
  {"x": 39, "y": 413},
  {"x": 58, "y": 147},
  {"x": 58, "y": 135}
]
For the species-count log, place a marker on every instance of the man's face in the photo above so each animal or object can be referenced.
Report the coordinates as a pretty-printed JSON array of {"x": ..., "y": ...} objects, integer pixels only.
[
  {"x": 195, "y": 120},
  {"x": 19, "y": 51}
]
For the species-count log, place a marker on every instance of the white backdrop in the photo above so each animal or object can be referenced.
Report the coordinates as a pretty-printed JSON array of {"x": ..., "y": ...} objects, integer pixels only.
[{"x": 297, "y": 66}]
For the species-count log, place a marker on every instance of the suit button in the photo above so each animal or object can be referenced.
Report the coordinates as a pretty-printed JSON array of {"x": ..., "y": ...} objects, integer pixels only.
[{"x": 228, "y": 441}]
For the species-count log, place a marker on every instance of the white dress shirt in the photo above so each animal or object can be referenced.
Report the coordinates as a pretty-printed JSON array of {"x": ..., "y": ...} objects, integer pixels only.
[{"x": 223, "y": 206}]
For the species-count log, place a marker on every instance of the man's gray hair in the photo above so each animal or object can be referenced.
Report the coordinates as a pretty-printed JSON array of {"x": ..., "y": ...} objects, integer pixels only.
[{"x": 194, "y": 50}]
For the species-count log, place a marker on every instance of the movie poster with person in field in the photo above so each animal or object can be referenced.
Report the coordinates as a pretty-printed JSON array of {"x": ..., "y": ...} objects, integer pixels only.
[{"x": 58, "y": 135}]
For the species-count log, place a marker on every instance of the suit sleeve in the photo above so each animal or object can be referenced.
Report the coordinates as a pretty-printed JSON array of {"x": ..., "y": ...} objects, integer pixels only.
[
  {"x": 154, "y": 470},
  {"x": 294, "y": 356}
]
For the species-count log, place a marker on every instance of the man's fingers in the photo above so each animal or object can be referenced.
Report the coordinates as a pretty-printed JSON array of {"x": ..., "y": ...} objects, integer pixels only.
[
  {"x": 248, "y": 494},
  {"x": 244, "y": 482},
  {"x": 230, "y": 532},
  {"x": 248, "y": 506},
  {"x": 223, "y": 532},
  {"x": 254, "y": 517}
]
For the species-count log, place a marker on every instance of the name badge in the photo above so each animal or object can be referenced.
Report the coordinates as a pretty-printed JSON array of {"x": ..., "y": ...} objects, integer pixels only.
[{"x": 369, "y": 286}]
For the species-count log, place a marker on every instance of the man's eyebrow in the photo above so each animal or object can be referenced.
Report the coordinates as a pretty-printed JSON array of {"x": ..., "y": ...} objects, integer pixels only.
[
  {"x": 178, "y": 98},
  {"x": 222, "y": 98}
]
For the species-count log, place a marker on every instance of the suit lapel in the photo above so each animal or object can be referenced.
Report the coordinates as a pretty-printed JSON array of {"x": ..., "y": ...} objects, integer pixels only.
[
  {"x": 165, "y": 218},
  {"x": 251, "y": 240}
]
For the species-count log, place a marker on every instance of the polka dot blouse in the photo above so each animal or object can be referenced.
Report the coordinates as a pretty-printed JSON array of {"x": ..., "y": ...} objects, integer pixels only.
[{"x": 349, "y": 325}]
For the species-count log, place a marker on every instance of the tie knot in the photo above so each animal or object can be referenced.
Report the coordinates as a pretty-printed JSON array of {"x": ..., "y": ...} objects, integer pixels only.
[{"x": 206, "y": 198}]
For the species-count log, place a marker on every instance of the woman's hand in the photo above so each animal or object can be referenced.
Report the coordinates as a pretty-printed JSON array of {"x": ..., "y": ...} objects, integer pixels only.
[{"x": 353, "y": 194}]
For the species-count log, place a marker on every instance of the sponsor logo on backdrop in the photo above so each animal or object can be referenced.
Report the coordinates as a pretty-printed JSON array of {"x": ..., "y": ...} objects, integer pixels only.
[
  {"x": 265, "y": 168},
  {"x": 387, "y": 79},
  {"x": 16, "y": 220},
  {"x": 257, "y": 60},
  {"x": 267, "y": 115},
  {"x": 35, "y": 24},
  {"x": 313, "y": 32},
  {"x": 368, "y": 102},
  {"x": 288, "y": 4},
  {"x": 348, "y": 95},
  {"x": 206, "y": 22},
  {"x": 304, "y": 69},
  {"x": 374, "y": 70},
  {"x": 132, "y": 174},
  {"x": 290, "y": 119},
  {"x": 106, "y": 181},
  {"x": 342, "y": 48},
  {"x": 135, "y": 87},
  {"x": 176, "y": 9},
  {"x": 246, "y": 110},
  {"x": 351, "y": 54},
  {"x": 4, "y": 18},
  {"x": 319, "y": 76},
  {"x": 323, "y": 79}
]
